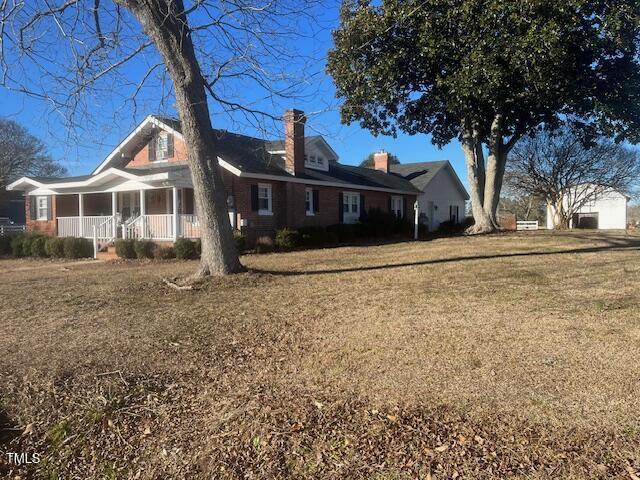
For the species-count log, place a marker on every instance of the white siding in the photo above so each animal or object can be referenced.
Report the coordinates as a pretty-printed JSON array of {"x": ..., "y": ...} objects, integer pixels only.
[
  {"x": 442, "y": 192},
  {"x": 611, "y": 208}
]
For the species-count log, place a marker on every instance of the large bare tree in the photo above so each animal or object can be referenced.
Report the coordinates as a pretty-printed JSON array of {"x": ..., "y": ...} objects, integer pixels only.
[
  {"x": 568, "y": 170},
  {"x": 23, "y": 154},
  {"x": 65, "y": 51}
]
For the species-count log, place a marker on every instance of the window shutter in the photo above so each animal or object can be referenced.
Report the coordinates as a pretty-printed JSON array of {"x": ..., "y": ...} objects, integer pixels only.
[
  {"x": 49, "y": 203},
  {"x": 152, "y": 148},
  {"x": 254, "y": 198},
  {"x": 340, "y": 207},
  {"x": 169, "y": 145},
  {"x": 390, "y": 204},
  {"x": 362, "y": 209},
  {"x": 32, "y": 207},
  {"x": 316, "y": 201}
]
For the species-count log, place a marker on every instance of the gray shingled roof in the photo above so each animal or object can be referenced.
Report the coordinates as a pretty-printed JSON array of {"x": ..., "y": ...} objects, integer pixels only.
[
  {"x": 419, "y": 174},
  {"x": 78, "y": 178},
  {"x": 278, "y": 145},
  {"x": 251, "y": 155}
]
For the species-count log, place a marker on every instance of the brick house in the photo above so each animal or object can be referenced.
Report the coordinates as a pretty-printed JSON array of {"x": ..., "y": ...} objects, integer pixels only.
[{"x": 143, "y": 188}]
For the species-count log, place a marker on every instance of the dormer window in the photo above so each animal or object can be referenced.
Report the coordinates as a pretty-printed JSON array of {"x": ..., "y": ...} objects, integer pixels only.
[
  {"x": 314, "y": 160},
  {"x": 161, "y": 146}
]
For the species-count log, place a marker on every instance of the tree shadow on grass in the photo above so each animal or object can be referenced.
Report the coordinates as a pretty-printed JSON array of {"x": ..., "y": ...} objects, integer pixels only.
[
  {"x": 630, "y": 245},
  {"x": 8, "y": 430}
]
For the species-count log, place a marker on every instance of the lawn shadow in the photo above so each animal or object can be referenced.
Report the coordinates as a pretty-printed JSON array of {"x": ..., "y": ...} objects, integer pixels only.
[{"x": 631, "y": 244}]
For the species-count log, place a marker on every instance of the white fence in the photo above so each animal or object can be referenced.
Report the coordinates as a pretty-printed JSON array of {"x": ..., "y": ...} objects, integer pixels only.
[
  {"x": 527, "y": 225},
  {"x": 9, "y": 229}
]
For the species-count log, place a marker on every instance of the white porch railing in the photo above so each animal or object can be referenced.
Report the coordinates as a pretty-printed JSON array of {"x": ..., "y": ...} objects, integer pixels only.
[
  {"x": 189, "y": 226},
  {"x": 527, "y": 225},
  {"x": 80, "y": 226},
  {"x": 159, "y": 227},
  {"x": 154, "y": 227}
]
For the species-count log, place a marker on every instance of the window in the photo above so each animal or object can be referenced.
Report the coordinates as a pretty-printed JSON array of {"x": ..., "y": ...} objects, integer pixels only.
[
  {"x": 265, "y": 200},
  {"x": 42, "y": 208},
  {"x": 161, "y": 148},
  {"x": 396, "y": 206},
  {"x": 350, "y": 207},
  {"x": 308, "y": 202}
]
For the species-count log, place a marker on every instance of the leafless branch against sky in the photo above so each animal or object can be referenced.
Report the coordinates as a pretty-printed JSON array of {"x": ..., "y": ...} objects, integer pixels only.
[{"x": 97, "y": 71}]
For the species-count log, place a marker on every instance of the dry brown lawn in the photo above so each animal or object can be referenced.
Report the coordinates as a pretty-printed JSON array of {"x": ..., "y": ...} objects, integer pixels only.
[{"x": 508, "y": 356}]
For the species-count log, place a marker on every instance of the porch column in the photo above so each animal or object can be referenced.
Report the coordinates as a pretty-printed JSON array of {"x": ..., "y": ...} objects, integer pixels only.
[
  {"x": 81, "y": 214},
  {"x": 143, "y": 212},
  {"x": 175, "y": 213},
  {"x": 114, "y": 213}
]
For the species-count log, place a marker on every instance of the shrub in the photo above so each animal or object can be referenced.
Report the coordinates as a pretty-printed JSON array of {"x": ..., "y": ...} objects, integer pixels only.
[
  {"x": 345, "y": 232},
  {"x": 37, "y": 246},
  {"x": 185, "y": 249},
  {"x": 125, "y": 248},
  {"x": 264, "y": 244},
  {"x": 163, "y": 253},
  {"x": 287, "y": 239},
  {"x": 77, "y": 248},
  {"x": 241, "y": 241},
  {"x": 27, "y": 241},
  {"x": 54, "y": 247},
  {"x": 17, "y": 244},
  {"x": 5, "y": 245},
  {"x": 143, "y": 248},
  {"x": 198, "y": 246},
  {"x": 313, "y": 236}
]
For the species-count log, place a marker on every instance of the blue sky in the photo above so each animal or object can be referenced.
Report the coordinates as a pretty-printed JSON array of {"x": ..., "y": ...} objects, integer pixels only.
[{"x": 109, "y": 118}]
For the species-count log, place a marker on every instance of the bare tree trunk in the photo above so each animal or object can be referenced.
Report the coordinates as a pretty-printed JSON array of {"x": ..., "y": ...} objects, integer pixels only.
[
  {"x": 166, "y": 24},
  {"x": 474, "y": 157},
  {"x": 561, "y": 217},
  {"x": 496, "y": 163}
]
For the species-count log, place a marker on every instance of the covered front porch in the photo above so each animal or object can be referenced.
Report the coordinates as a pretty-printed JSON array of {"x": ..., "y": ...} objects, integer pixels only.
[{"x": 164, "y": 214}]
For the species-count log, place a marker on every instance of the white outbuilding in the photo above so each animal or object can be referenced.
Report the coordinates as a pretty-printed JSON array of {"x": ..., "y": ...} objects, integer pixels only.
[{"x": 606, "y": 209}]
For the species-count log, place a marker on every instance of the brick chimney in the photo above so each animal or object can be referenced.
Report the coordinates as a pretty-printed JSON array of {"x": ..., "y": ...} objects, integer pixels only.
[
  {"x": 381, "y": 161},
  {"x": 294, "y": 141}
]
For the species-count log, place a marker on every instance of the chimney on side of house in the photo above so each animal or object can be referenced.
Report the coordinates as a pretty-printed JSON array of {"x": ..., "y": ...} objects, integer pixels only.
[
  {"x": 294, "y": 121},
  {"x": 381, "y": 161}
]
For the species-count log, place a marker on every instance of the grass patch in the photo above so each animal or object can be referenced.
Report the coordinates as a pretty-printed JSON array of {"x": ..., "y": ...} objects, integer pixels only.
[{"x": 507, "y": 356}]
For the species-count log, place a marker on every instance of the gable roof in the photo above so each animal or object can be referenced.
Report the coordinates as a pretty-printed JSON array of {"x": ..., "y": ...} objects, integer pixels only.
[
  {"x": 249, "y": 156},
  {"x": 421, "y": 174}
]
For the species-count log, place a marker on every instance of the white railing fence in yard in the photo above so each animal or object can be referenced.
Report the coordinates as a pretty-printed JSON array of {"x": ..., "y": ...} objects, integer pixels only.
[
  {"x": 11, "y": 229},
  {"x": 527, "y": 225}
]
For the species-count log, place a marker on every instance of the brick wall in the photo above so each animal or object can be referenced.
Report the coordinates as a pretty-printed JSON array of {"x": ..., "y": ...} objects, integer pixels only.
[
  {"x": 289, "y": 205},
  {"x": 142, "y": 157},
  {"x": 46, "y": 227}
]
